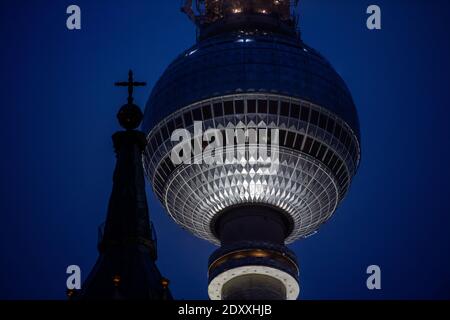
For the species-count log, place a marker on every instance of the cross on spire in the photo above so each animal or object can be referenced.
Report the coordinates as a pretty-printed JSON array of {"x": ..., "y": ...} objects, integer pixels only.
[{"x": 130, "y": 84}]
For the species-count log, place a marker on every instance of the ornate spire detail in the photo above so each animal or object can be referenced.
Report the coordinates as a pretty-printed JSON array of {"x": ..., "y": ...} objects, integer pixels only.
[{"x": 130, "y": 115}]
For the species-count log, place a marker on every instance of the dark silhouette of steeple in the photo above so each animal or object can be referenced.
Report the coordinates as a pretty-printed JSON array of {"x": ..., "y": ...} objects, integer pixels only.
[{"x": 126, "y": 267}]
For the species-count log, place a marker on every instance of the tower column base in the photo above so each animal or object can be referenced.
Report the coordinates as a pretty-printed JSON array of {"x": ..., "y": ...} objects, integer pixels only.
[{"x": 253, "y": 262}]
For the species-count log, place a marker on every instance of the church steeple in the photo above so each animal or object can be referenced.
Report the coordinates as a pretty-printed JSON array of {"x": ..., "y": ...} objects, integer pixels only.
[
  {"x": 126, "y": 266},
  {"x": 128, "y": 219}
]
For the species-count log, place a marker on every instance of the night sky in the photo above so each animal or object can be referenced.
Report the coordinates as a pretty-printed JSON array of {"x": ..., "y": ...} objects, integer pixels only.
[{"x": 58, "y": 108}]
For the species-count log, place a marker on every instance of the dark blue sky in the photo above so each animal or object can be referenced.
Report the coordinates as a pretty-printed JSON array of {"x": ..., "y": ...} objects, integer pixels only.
[{"x": 58, "y": 109}]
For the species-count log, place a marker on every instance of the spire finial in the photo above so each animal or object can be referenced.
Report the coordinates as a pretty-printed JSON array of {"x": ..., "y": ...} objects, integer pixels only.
[
  {"x": 130, "y": 115},
  {"x": 130, "y": 84}
]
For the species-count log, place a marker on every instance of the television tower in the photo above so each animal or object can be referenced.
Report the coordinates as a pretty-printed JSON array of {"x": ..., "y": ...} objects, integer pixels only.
[{"x": 251, "y": 71}]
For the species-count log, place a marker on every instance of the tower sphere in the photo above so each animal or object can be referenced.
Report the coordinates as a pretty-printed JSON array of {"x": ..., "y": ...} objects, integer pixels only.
[
  {"x": 259, "y": 81},
  {"x": 251, "y": 70}
]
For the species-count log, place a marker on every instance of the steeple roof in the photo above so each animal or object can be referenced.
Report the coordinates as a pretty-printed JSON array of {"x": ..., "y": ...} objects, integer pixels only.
[{"x": 126, "y": 266}]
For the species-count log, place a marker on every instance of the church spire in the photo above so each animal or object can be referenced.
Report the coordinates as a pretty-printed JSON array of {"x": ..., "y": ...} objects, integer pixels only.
[
  {"x": 128, "y": 219},
  {"x": 126, "y": 266}
]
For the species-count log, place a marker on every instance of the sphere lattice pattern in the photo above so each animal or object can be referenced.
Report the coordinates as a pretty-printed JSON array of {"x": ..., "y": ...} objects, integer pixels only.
[{"x": 318, "y": 156}]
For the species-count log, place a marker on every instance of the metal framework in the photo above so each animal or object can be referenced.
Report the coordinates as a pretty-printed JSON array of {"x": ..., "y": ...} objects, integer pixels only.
[{"x": 208, "y": 11}]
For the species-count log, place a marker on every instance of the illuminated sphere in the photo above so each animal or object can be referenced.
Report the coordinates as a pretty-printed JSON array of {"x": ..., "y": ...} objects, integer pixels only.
[{"x": 254, "y": 80}]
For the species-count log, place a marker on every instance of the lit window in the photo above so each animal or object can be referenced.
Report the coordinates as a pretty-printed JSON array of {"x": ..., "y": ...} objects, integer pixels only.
[{"x": 244, "y": 40}]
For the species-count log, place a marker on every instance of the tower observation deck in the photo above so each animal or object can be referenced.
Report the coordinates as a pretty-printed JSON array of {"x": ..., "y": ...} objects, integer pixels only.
[{"x": 248, "y": 72}]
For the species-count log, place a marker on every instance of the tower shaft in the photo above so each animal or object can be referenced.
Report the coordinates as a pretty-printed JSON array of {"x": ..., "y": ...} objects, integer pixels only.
[{"x": 253, "y": 263}]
